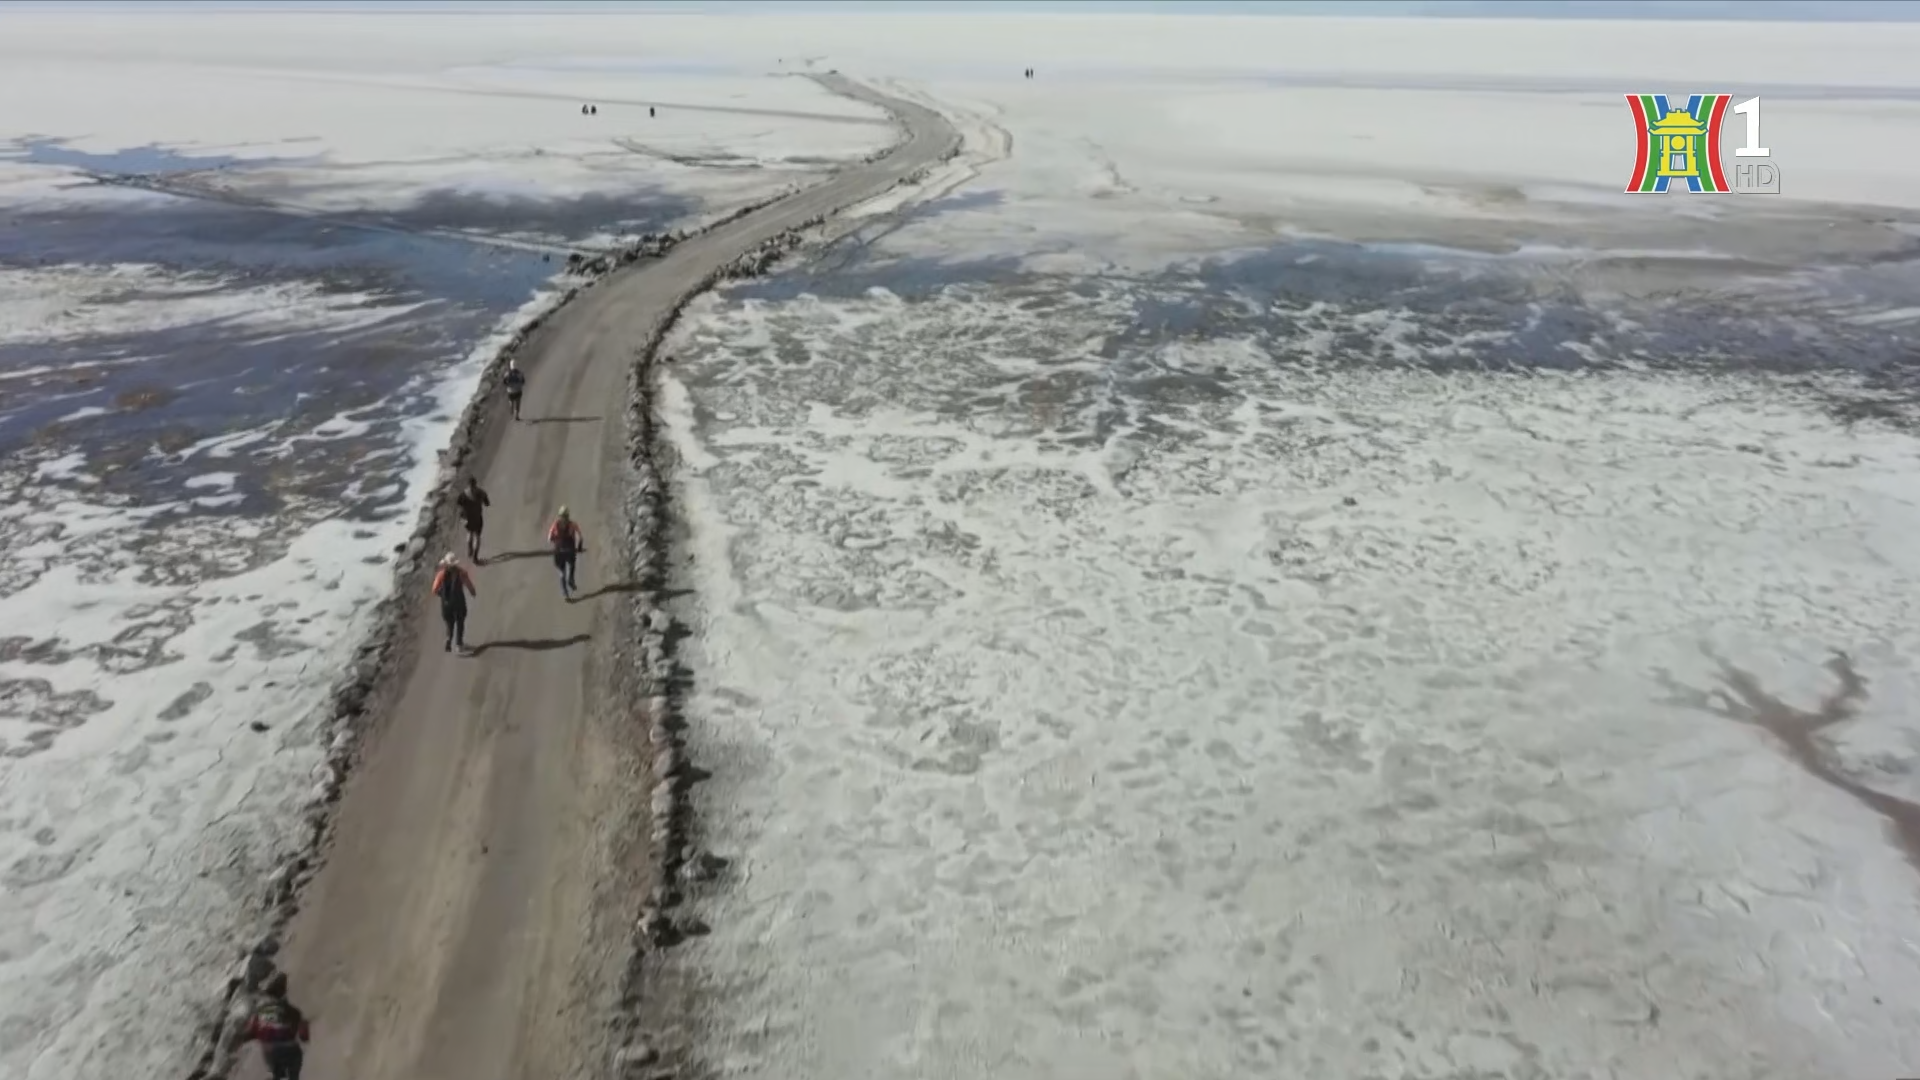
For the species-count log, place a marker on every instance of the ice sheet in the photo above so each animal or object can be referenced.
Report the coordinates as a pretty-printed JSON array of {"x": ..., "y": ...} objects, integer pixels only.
[
  {"x": 1248, "y": 708},
  {"x": 325, "y": 136},
  {"x": 1133, "y": 173},
  {"x": 1222, "y": 815},
  {"x": 953, "y": 45},
  {"x": 70, "y": 303}
]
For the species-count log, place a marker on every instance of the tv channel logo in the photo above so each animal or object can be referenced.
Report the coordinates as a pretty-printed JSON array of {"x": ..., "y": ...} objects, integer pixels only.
[{"x": 1684, "y": 144}]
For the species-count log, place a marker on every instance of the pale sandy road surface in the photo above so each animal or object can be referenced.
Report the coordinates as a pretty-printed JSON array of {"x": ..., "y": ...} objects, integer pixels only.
[{"x": 489, "y": 857}]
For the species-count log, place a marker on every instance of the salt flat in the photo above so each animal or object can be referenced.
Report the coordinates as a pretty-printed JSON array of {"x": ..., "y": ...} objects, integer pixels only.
[
  {"x": 1142, "y": 632},
  {"x": 346, "y": 129},
  {"x": 1312, "y": 718},
  {"x": 1139, "y": 633}
]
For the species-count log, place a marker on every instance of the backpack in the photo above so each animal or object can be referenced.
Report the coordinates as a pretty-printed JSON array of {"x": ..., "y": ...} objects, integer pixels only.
[{"x": 276, "y": 1022}]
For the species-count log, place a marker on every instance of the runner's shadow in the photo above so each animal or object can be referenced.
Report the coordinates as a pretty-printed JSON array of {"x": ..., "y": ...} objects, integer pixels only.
[
  {"x": 563, "y": 420},
  {"x": 532, "y": 644},
  {"x": 509, "y": 556},
  {"x": 616, "y": 587}
]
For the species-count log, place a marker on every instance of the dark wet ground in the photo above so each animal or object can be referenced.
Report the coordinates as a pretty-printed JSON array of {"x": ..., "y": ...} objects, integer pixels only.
[
  {"x": 152, "y": 159},
  {"x": 1520, "y": 314},
  {"x": 165, "y": 390},
  {"x": 561, "y": 219}
]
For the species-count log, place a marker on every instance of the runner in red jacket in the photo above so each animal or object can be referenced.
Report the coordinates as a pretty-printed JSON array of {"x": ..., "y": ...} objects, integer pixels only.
[
  {"x": 452, "y": 584},
  {"x": 567, "y": 543},
  {"x": 280, "y": 1029}
]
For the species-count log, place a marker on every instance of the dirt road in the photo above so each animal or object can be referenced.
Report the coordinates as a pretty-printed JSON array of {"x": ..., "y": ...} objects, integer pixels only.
[{"x": 474, "y": 910}]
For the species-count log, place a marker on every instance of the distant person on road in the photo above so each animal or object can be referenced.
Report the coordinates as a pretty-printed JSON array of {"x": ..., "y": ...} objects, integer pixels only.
[
  {"x": 515, "y": 381},
  {"x": 564, "y": 535},
  {"x": 650, "y": 111},
  {"x": 452, "y": 584},
  {"x": 280, "y": 1029},
  {"x": 473, "y": 503}
]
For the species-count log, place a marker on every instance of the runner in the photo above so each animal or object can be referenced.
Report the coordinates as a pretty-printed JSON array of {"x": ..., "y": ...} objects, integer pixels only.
[
  {"x": 515, "y": 381},
  {"x": 452, "y": 583},
  {"x": 564, "y": 535},
  {"x": 473, "y": 503},
  {"x": 280, "y": 1029}
]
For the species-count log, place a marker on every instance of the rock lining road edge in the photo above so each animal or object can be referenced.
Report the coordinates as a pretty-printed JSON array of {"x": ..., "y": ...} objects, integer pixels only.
[{"x": 672, "y": 848}]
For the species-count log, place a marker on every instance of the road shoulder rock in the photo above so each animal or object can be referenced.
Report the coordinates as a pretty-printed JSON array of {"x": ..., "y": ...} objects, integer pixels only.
[{"x": 676, "y": 862}]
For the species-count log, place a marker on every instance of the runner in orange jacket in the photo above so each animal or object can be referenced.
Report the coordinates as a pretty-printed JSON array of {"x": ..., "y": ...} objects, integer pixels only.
[{"x": 567, "y": 543}]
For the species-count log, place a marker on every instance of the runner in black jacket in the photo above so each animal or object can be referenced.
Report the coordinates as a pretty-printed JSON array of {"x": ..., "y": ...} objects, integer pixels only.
[
  {"x": 567, "y": 543},
  {"x": 515, "y": 381},
  {"x": 473, "y": 503}
]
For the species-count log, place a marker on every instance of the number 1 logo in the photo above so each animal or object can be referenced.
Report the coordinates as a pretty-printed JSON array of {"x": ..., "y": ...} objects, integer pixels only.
[{"x": 1684, "y": 144}]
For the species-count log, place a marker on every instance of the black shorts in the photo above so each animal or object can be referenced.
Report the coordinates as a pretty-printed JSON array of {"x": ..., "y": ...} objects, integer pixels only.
[
  {"x": 474, "y": 525},
  {"x": 284, "y": 1060},
  {"x": 563, "y": 558}
]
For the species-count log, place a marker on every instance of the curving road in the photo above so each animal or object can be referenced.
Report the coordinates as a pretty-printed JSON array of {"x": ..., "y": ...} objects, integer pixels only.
[{"x": 489, "y": 856}]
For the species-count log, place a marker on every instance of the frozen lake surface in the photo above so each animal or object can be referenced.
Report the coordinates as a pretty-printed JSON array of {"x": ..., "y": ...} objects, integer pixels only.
[
  {"x": 1138, "y": 638},
  {"x": 1198, "y": 676},
  {"x": 1142, "y": 634}
]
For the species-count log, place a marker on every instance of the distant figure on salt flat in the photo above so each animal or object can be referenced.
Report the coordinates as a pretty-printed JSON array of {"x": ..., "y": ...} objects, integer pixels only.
[
  {"x": 596, "y": 110},
  {"x": 583, "y": 110},
  {"x": 649, "y": 110}
]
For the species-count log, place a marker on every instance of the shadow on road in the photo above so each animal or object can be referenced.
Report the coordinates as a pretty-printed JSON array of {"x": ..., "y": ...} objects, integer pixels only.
[
  {"x": 510, "y": 556},
  {"x": 564, "y": 419},
  {"x": 616, "y": 587},
  {"x": 532, "y": 644}
]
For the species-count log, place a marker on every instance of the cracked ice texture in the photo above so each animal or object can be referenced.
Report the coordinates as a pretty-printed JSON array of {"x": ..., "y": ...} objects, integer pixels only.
[{"x": 1246, "y": 708}]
